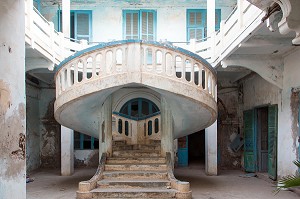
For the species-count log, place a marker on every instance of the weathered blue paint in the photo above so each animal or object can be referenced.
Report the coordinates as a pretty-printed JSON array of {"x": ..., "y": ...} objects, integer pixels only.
[
  {"x": 183, "y": 155},
  {"x": 122, "y": 42}
]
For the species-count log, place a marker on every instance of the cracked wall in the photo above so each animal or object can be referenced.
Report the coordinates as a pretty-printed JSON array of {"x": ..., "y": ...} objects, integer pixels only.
[{"x": 12, "y": 100}]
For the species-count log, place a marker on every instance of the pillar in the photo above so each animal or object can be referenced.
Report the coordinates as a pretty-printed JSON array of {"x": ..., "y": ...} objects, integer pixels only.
[
  {"x": 66, "y": 17},
  {"x": 211, "y": 20},
  {"x": 12, "y": 100},
  {"x": 67, "y": 151},
  {"x": 105, "y": 128},
  {"x": 211, "y": 150},
  {"x": 167, "y": 136}
]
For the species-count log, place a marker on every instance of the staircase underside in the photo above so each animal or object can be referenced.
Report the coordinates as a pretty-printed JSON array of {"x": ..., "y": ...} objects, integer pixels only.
[
  {"x": 190, "y": 114},
  {"x": 134, "y": 171}
]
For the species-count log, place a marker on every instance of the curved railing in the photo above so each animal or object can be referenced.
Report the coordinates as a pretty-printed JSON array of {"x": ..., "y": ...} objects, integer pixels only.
[{"x": 132, "y": 57}]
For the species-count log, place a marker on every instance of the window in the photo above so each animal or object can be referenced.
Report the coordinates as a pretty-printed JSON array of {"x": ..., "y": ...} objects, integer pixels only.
[
  {"x": 37, "y": 4},
  {"x": 82, "y": 141},
  {"x": 80, "y": 24},
  {"x": 139, "y": 108},
  {"x": 197, "y": 23},
  {"x": 139, "y": 24}
]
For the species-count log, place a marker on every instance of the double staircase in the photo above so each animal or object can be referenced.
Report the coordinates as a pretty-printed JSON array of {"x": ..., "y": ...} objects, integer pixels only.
[{"x": 135, "y": 171}]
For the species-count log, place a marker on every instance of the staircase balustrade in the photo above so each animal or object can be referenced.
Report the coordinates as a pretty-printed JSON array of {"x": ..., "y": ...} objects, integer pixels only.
[
  {"x": 121, "y": 59},
  {"x": 135, "y": 132}
]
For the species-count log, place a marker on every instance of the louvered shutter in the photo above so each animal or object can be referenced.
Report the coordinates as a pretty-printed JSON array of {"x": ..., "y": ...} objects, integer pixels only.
[
  {"x": 148, "y": 25},
  {"x": 131, "y": 25},
  {"x": 82, "y": 26}
]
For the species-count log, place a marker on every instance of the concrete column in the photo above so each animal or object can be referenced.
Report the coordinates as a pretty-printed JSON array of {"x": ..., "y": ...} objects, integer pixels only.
[
  {"x": 66, "y": 17},
  {"x": 67, "y": 151},
  {"x": 211, "y": 150},
  {"x": 12, "y": 100},
  {"x": 167, "y": 136},
  {"x": 105, "y": 128},
  {"x": 211, "y": 20}
]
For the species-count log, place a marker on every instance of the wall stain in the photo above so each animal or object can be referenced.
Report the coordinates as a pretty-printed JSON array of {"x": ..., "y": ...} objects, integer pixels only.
[
  {"x": 4, "y": 98},
  {"x": 295, "y": 128},
  {"x": 20, "y": 153}
]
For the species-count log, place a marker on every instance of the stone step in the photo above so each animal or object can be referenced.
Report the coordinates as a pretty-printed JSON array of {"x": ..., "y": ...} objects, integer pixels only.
[
  {"x": 133, "y": 183},
  {"x": 135, "y": 174},
  {"x": 148, "y": 193},
  {"x": 142, "y": 160},
  {"x": 136, "y": 167},
  {"x": 119, "y": 142},
  {"x": 137, "y": 147},
  {"x": 136, "y": 153}
]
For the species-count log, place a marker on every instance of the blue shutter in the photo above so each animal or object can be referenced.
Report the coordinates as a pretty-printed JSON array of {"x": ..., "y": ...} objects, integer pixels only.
[
  {"x": 183, "y": 155},
  {"x": 83, "y": 25},
  {"x": 131, "y": 24},
  {"x": 272, "y": 141},
  {"x": 250, "y": 148},
  {"x": 148, "y": 25},
  {"x": 139, "y": 24}
]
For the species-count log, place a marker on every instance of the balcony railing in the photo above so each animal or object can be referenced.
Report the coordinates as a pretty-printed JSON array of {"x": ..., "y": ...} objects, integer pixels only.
[
  {"x": 243, "y": 20},
  {"x": 125, "y": 57},
  {"x": 41, "y": 35}
]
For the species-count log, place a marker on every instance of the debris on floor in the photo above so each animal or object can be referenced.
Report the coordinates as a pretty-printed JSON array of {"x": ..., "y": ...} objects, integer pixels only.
[
  {"x": 248, "y": 175},
  {"x": 28, "y": 179}
]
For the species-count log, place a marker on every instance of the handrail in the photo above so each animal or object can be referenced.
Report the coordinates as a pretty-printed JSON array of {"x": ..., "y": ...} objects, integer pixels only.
[{"x": 231, "y": 13}]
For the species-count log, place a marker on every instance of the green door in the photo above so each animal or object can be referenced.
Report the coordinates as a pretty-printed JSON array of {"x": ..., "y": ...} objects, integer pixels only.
[
  {"x": 250, "y": 148},
  {"x": 272, "y": 141}
]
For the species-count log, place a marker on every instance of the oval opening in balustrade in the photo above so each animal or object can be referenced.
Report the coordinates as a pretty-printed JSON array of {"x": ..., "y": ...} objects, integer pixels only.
[
  {"x": 119, "y": 59},
  {"x": 99, "y": 58},
  {"x": 209, "y": 84},
  {"x": 178, "y": 66},
  {"x": 169, "y": 64},
  {"x": 89, "y": 67},
  {"x": 149, "y": 55},
  {"x": 65, "y": 74},
  {"x": 196, "y": 74},
  {"x": 203, "y": 78},
  {"x": 72, "y": 72},
  {"x": 109, "y": 61},
  {"x": 126, "y": 128},
  {"x": 80, "y": 70},
  {"x": 188, "y": 69},
  {"x": 156, "y": 125},
  {"x": 120, "y": 126},
  {"x": 149, "y": 127}
]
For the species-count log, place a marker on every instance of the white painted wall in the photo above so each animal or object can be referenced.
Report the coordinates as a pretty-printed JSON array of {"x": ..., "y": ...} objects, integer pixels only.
[
  {"x": 86, "y": 157},
  {"x": 107, "y": 19},
  {"x": 287, "y": 138},
  {"x": 12, "y": 100}
]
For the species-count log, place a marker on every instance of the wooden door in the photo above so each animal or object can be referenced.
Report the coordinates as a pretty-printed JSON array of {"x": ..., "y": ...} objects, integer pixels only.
[
  {"x": 272, "y": 141},
  {"x": 250, "y": 148}
]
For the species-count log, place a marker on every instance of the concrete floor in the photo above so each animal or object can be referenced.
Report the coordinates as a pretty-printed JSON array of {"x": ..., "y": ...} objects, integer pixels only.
[{"x": 48, "y": 184}]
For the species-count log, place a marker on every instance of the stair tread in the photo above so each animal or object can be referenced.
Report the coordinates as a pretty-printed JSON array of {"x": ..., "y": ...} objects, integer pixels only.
[
  {"x": 134, "y": 172},
  {"x": 132, "y": 189},
  {"x": 133, "y": 180}
]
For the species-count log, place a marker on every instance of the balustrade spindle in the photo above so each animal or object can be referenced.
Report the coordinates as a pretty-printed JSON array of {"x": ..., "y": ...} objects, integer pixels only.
[
  {"x": 84, "y": 69},
  {"x": 69, "y": 84},
  {"x": 163, "y": 62},
  {"x": 183, "y": 64},
  {"x": 75, "y": 73},
  {"x": 94, "y": 66}
]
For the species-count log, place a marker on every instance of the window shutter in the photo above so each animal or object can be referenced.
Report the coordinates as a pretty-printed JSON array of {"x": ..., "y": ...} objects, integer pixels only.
[
  {"x": 147, "y": 24},
  {"x": 131, "y": 25},
  {"x": 82, "y": 26}
]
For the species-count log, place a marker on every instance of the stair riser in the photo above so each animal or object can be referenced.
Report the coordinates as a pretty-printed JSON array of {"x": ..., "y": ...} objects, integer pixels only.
[
  {"x": 135, "y": 167},
  {"x": 136, "y": 161},
  {"x": 133, "y": 184},
  {"x": 134, "y": 154},
  {"x": 135, "y": 175},
  {"x": 133, "y": 195},
  {"x": 136, "y": 147}
]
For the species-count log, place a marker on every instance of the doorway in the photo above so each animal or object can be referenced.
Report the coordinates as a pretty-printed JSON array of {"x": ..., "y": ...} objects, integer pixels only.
[{"x": 260, "y": 140}]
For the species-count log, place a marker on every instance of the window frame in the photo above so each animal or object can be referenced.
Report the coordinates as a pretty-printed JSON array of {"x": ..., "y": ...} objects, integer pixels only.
[{"x": 140, "y": 21}]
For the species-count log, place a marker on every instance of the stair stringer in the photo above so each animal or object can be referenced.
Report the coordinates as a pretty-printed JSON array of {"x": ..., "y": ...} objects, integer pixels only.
[{"x": 86, "y": 186}]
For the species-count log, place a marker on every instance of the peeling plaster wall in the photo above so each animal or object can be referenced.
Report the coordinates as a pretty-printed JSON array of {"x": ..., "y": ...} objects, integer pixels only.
[
  {"x": 49, "y": 130},
  {"x": 259, "y": 92},
  {"x": 33, "y": 160},
  {"x": 86, "y": 158},
  {"x": 12, "y": 100},
  {"x": 288, "y": 126},
  {"x": 228, "y": 125}
]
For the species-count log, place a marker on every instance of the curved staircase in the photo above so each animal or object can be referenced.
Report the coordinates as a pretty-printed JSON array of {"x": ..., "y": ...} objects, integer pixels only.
[{"x": 135, "y": 171}]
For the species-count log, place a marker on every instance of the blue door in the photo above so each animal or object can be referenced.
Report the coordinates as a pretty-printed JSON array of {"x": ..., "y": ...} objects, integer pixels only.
[{"x": 183, "y": 151}]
